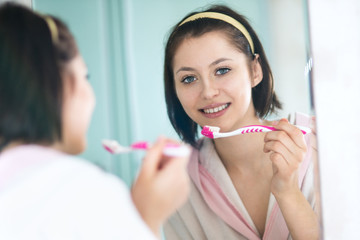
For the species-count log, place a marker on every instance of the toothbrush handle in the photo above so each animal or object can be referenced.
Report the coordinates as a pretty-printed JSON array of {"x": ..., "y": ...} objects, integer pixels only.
[
  {"x": 176, "y": 150},
  {"x": 145, "y": 145},
  {"x": 171, "y": 149},
  {"x": 304, "y": 130},
  {"x": 140, "y": 145},
  {"x": 256, "y": 128}
]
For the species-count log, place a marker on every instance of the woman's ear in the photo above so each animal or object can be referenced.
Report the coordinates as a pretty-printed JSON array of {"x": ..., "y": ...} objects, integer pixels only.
[{"x": 257, "y": 73}]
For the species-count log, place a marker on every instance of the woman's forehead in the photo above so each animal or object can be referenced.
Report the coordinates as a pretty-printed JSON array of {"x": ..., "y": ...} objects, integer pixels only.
[{"x": 204, "y": 48}]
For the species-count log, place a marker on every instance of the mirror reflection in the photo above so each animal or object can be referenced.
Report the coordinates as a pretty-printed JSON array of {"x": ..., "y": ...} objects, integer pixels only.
[{"x": 123, "y": 43}]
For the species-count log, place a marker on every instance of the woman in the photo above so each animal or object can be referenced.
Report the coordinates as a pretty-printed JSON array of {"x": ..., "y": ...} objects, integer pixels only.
[
  {"x": 46, "y": 104},
  {"x": 251, "y": 186}
]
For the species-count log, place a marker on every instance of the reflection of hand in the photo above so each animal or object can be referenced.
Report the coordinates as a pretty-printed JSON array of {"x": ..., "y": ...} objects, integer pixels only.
[
  {"x": 287, "y": 149},
  {"x": 161, "y": 187}
]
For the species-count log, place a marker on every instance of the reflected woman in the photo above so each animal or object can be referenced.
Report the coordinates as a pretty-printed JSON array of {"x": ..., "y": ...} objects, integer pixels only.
[{"x": 251, "y": 186}]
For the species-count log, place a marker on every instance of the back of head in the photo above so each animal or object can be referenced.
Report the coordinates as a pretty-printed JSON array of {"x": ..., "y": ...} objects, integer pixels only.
[{"x": 31, "y": 64}]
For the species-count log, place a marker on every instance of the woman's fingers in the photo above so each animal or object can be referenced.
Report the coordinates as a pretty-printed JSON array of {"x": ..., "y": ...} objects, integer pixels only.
[
  {"x": 289, "y": 136},
  {"x": 279, "y": 148},
  {"x": 154, "y": 157},
  {"x": 292, "y": 131},
  {"x": 287, "y": 148}
]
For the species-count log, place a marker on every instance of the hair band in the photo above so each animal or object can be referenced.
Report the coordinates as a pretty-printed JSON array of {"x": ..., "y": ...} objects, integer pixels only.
[
  {"x": 52, "y": 28},
  {"x": 225, "y": 18}
]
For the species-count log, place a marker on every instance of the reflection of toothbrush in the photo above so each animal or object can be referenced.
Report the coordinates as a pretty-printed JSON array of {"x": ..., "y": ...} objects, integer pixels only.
[
  {"x": 171, "y": 149},
  {"x": 214, "y": 132}
]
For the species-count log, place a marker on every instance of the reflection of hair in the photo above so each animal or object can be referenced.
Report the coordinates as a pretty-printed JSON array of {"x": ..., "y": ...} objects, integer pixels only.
[
  {"x": 31, "y": 65},
  {"x": 263, "y": 95}
]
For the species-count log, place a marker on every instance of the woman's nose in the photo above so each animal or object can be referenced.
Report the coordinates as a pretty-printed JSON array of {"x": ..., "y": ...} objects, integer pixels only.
[{"x": 210, "y": 89}]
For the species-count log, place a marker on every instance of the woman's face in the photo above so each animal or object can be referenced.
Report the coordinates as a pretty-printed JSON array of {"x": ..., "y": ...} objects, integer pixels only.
[
  {"x": 78, "y": 105},
  {"x": 213, "y": 81}
]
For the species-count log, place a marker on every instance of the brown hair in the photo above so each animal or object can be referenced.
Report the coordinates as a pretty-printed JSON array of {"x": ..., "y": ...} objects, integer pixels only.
[{"x": 31, "y": 65}]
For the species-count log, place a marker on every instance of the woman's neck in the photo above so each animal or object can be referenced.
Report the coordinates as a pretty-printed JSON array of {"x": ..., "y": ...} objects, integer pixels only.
[{"x": 243, "y": 152}]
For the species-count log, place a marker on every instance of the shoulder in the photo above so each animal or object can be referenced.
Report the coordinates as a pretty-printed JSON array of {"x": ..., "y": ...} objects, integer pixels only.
[
  {"x": 89, "y": 179},
  {"x": 67, "y": 196},
  {"x": 45, "y": 170},
  {"x": 97, "y": 203},
  {"x": 100, "y": 203}
]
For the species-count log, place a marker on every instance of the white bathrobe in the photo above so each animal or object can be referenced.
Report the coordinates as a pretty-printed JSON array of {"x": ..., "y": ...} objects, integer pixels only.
[{"x": 45, "y": 194}]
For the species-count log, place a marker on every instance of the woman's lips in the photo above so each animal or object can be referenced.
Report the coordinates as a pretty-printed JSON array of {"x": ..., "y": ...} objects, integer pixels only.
[{"x": 214, "y": 110}]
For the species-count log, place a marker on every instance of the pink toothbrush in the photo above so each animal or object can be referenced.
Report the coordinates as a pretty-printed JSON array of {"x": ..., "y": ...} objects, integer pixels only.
[
  {"x": 214, "y": 132},
  {"x": 171, "y": 150}
]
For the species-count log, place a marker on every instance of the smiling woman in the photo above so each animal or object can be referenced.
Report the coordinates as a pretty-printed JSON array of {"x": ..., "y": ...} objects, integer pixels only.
[{"x": 216, "y": 73}]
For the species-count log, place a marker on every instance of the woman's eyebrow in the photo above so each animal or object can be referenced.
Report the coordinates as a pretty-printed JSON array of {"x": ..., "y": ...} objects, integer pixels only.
[
  {"x": 185, "y": 69},
  {"x": 219, "y": 61},
  {"x": 211, "y": 64}
]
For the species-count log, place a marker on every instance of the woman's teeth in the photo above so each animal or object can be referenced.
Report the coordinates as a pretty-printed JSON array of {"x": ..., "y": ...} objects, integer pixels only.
[{"x": 217, "y": 109}]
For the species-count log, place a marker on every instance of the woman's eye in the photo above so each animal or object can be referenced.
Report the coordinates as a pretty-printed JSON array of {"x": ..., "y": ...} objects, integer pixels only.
[
  {"x": 188, "y": 79},
  {"x": 222, "y": 71}
]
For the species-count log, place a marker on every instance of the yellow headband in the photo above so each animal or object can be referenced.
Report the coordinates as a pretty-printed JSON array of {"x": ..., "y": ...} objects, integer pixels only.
[
  {"x": 53, "y": 29},
  {"x": 225, "y": 18}
]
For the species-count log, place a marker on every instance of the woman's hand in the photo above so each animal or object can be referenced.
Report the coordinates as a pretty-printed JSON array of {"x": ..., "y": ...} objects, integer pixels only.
[
  {"x": 161, "y": 187},
  {"x": 287, "y": 149}
]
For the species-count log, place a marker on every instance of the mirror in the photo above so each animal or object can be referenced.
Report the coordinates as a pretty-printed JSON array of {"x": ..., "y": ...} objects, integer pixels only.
[{"x": 123, "y": 45}]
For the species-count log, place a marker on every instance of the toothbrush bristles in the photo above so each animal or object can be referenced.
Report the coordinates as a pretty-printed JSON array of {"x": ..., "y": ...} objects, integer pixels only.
[
  {"x": 114, "y": 147},
  {"x": 208, "y": 131},
  {"x": 213, "y": 129}
]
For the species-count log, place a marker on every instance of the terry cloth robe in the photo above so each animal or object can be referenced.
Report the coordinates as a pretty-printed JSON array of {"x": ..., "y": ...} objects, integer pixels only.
[
  {"x": 214, "y": 209},
  {"x": 46, "y": 194}
]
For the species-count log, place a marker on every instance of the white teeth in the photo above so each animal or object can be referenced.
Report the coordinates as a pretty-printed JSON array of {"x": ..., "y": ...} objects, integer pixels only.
[{"x": 217, "y": 109}]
